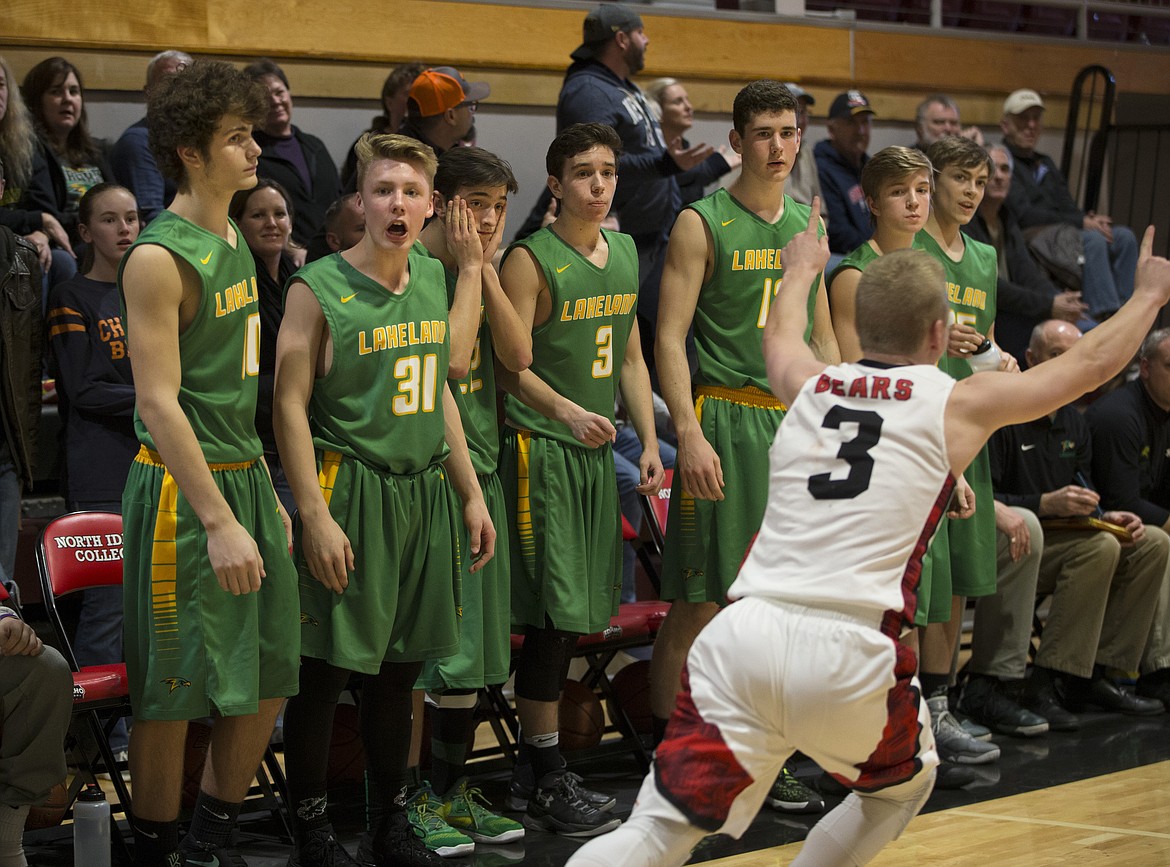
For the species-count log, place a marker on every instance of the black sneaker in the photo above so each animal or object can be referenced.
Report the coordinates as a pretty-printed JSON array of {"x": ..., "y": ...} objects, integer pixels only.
[
  {"x": 557, "y": 806},
  {"x": 986, "y": 701},
  {"x": 399, "y": 844},
  {"x": 1102, "y": 692},
  {"x": 194, "y": 855},
  {"x": 321, "y": 849},
  {"x": 790, "y": 795},
  {"x": 1043, "y": 702},
  {"x": 522, "y": 783}
]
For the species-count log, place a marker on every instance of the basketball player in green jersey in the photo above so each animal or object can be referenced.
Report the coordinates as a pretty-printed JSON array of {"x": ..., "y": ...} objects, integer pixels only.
[
  {"x": 722, "y": 272},
  {"x": 211, "y": 606},
  {"x": 961, "y": 171},
  {"x": 371, "y": 439},
  {"x": 471, "y": 201},
  {"x": 575, "y": 286}
]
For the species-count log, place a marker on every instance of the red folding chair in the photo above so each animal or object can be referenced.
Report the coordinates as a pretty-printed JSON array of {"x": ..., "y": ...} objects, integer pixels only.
[
  {"x": 77, "y": 552},
  {"x": 656, "y": 509}
]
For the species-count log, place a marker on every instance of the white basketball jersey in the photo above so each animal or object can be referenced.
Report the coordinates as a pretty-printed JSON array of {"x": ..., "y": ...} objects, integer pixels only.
[{"x": 859, "y": 481}]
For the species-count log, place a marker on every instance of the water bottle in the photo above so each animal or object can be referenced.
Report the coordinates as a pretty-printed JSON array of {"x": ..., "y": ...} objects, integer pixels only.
[
  {"x": 91, "y": 828},
  {"x": 986, "y": 357}
]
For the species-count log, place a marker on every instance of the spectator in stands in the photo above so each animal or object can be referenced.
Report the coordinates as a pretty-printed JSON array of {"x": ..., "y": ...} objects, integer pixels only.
[
  {"x": 897, "y": 183},
  {"x": 803, "y": 182},
  {"x": 440, "y": 109},
  {"x": 598, "y": 87},
  {"x": 290, "y": 156},
  {"x": 938, "y": 115},
  {"x": 75, "y": 161},
  {"x": 395, "y": 90},
  {"x": 38, "y": 700},
  {"x": 1104, "y": 592},
  {"x": 35, "y": 222},
  {"x": 345, "y": 223},
  {"x": 131, "y": 158},
  {"x": 675, "y": 115},
  {"x": 1040, "y": 197},
  {"x": 1026, "y": 296},
  {"x": 21, "y": 336},
  {"x": 265, "y": 215},
  {"x": 840, "y": 159},
  {"x": 95, "y": 389},
  {"x": 1130, "y": 464}
]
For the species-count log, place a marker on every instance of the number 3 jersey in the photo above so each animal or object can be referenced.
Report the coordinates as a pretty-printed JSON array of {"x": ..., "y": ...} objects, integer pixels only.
[
  {"x": 382, "y": 400},
  {"x": 859, "y": 480},
  {"x": 220, "y": 350},
  {"x": 579, "y": 350}
]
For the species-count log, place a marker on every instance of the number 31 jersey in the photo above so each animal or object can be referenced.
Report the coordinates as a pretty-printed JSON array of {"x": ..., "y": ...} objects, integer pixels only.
[{"x": 859, "y": 480}]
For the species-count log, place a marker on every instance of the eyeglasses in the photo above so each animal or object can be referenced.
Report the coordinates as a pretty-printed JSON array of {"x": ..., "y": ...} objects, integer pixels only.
[{"x": 471, "y": 105}]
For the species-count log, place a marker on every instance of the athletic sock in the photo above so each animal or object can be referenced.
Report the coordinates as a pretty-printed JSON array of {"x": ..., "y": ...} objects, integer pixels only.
[
  {"x": 311, "y": 814},
  {"x": 12, "y": 835},
  {"x": 546, "y": 754},
  {"x": 154, "y": 842},
  {"x": 211, "y": 824},
  {"x": 934, "y": 685},
  {"x": 452, "y": 727}
]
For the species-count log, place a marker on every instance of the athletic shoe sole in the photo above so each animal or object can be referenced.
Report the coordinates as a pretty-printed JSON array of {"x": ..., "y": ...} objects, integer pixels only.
[{"x": 553, "y": 826}]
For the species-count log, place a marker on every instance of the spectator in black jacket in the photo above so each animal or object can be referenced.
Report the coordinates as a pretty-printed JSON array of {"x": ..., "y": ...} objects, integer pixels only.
[
  {"x": 299, "y": 162},
  {"x": 1132, "y": 471},
  {"x": 1025, "y": 295},
  {"x": 21, "y": 337},
  {"x": 673, "y": 110},
  {"x": 75, "y": 161},
  {"x": 1040, "y": 197},
  {"x": 840, "y": 159},
  {"x": 34, "y": 222},
  {"x": 441, "y": 106}
]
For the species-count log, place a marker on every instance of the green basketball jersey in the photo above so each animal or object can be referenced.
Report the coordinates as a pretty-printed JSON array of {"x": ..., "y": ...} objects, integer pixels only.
[
  {"x": 382, "y": 400},
  {"x": 475, "y": 394},
  {"x": 970, "y": 289},
  {"x": 858, "y": 260},
  {"x": 220, "y": 350},
  {"x": 733, "y": 305},
  {"x": 579, "y": 350}
]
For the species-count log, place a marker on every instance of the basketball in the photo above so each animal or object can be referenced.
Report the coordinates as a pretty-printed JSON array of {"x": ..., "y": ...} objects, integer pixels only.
[
  {"x": 50, "y": 813},
  {"x": 582, "y": 719},
  {"x": 631, "y": 685},
  {"x": 194, "y": 757},
  {"x": 347, "y": 758}
]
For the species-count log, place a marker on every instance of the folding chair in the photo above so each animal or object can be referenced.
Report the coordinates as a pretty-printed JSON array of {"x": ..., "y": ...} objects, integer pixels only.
[
  {"x": 76, "y": 552},
  {"x": 656, "y": 509}
]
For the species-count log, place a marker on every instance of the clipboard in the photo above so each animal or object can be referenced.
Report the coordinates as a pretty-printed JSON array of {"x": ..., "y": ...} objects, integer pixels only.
[{"x": 1088, "y": 523}]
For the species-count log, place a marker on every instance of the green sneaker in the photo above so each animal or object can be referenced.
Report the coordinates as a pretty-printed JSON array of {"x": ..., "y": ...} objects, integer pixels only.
[
  {"x": 422, "y": 810},
  {"x": 790, "y": 795},
  {"x": 462, "y": 812}
]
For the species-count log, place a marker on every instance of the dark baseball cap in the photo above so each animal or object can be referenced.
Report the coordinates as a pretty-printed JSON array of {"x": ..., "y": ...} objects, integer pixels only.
[
  {"x": 849, "y": 104},
  {"x": 600, "y": 26},
  {"x": 799, "y": 92}
]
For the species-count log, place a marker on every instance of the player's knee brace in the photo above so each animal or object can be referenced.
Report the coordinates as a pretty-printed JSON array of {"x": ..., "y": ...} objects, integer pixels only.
[{"x": 544, "y": 663}]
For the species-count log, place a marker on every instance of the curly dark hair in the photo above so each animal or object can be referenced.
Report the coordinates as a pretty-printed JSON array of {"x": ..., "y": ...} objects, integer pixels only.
[
  {"x": 186, "y": 108},
  {"x": 577, "y": 139},
  {"x": 760, "y": 97}
]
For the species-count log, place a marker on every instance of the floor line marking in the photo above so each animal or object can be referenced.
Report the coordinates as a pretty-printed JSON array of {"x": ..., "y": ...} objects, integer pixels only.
[{"x": 1105, "y": 829}]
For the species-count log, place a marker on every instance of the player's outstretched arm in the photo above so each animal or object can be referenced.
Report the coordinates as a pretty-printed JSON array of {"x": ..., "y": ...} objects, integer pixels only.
[
  {"x": 823, "y": 339},
  {"x": 790, "y": 361},
  {"x": 687, "y": 266},
  {"x": 639, "y": 402},
  {"x": 155, "y": 287},
  {"x": 981, "y": 404},
  {"x": 463, "y": 317},
  {"x": 480, "y": 529},
  {"x": 299, "y": 347}
]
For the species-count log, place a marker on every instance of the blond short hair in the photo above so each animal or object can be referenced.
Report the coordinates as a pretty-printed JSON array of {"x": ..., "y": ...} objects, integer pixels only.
[
  {"x": 374, "y": 146},
  {"x": 899, "y": 297}
]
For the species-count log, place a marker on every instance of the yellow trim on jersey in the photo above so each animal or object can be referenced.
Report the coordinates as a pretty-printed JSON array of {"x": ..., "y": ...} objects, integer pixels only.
[
  {"x": 153, "y": 459},
  {"x": 749, "y": 396},
  {"x": 164, "y": 568},
  {"x": 524, "y": 499},
  {"x": 330, "y": 462}
]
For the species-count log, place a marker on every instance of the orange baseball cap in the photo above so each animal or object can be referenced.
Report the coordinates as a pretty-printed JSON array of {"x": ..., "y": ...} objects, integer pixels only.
[{"x": 441, "y": 88}]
